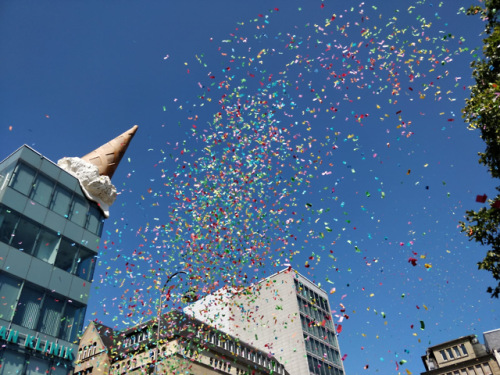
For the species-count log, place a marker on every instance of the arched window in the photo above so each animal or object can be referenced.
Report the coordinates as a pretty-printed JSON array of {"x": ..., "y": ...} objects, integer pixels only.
[
  {"x": 79, "y": 354},
  {"x": 94, "y": 348},
  {"x": 85, "y": 352}
]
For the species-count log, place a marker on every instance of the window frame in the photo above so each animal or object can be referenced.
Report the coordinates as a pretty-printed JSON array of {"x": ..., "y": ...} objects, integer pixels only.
[
  {"x": 15, "y": 175},
  {"x": 52, "y": 201},
  {"x": 29, "y": 221},
  {"x": 34, "y": 189},
  {"x": 449, "y": 351}
]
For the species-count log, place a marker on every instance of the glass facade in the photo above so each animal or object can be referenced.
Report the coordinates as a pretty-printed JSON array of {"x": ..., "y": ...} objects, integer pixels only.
[
  {"x": 323, "y": 355},
  {"x": 32, "y": 238},
  {"x": 46, "y": 224},
  {"x": 28, "y": 306},
  {"x": 47, "y": 192}
]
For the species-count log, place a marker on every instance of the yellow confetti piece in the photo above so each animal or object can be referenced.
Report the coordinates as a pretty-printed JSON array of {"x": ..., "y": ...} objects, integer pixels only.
[
  {"x": 371, "y": 295},
  {"x": 408, "y": 372},
  {"x": 426, "y": 165},
  {"x": 425, "y": 307}
]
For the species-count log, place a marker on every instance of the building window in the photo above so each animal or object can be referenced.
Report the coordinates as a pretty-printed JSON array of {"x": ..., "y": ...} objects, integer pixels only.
[
  {"x": 59, "y": 370},
  {"x": 61, "y": 200},
  {"x": 8, "y": 221},
  {"x": 66, "y": 254},
  {"x": 37, "y": 366},
  {"x": 487, "y": 369},
  {"x": 9, "y": 293},
  {"x": 479, "y": 370},
  {"x": 95, "y": 218},
  {"x": 12, "y": 362},
  {"x": 457, "y": 352},
  {"x": 46, "y": 246},
  {"x": 5, "y": 175},
  {"x": 28, "y": 308},
  {"x": 23, "y": 178},
  {"x": 443, "y": 354},
  {"x": 42, "y": 190},
  {"x": 464, "y": 350},
  {"x": 79, "y": 211},
  {"x": 450, "y": 353},
  {"x": 50, "y": 317},
  {"x": 25, "y": 236},
  {"x": 464, "y": 372},
  {"x": 85, "y": 264},
  {"x": 72, "y": 321}
]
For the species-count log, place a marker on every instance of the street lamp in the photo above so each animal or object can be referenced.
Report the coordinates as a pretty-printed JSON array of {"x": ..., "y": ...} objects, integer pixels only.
[{"x": 158, "y": 316}]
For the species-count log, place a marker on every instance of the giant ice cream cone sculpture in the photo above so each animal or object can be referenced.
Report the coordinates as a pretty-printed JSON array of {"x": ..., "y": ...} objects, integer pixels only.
[{"x": 107, "y": 157}]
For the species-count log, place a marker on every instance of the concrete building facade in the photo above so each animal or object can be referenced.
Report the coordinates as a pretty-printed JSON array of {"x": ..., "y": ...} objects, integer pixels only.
[
  {"x": 285, "y": 314},
  {"x": 464, "y": 356}
]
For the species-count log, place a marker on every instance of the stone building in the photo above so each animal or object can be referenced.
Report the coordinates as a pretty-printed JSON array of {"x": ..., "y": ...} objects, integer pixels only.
[
  {"x": 464, "y": 356},
  {"x": 183, "y": 345},
  {"x": 285, "y": 315}
]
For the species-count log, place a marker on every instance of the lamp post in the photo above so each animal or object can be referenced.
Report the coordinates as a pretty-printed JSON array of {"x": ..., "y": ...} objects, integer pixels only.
[{"x": 158, "y": 316}]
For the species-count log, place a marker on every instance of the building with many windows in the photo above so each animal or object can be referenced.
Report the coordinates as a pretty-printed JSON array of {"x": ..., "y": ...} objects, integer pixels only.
[
  {"x": 49, "y": 236},
  {"x": 464, "y": 356},
  {"x": 285, "y": 315},
  {"x": 182, "y": 345}
]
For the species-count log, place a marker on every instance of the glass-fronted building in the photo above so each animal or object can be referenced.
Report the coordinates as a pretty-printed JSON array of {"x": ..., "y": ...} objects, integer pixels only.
[{"x": 49, "y": 238}]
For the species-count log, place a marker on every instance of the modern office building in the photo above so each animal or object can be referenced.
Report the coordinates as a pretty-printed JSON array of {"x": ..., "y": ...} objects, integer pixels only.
[
  {"x": 49, "y": 236},
  {"x": 464, "y": 356},
  {"x": 185, "y": 346},
  {"x": 285, "y": 314}
]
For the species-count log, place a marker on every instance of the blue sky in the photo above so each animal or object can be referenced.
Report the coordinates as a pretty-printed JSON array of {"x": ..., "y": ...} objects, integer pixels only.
[{"x": 76, "y": 74}]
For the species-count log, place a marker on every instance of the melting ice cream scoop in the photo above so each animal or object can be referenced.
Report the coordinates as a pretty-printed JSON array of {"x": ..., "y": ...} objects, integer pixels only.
[{"x": 94, "y": 170}]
